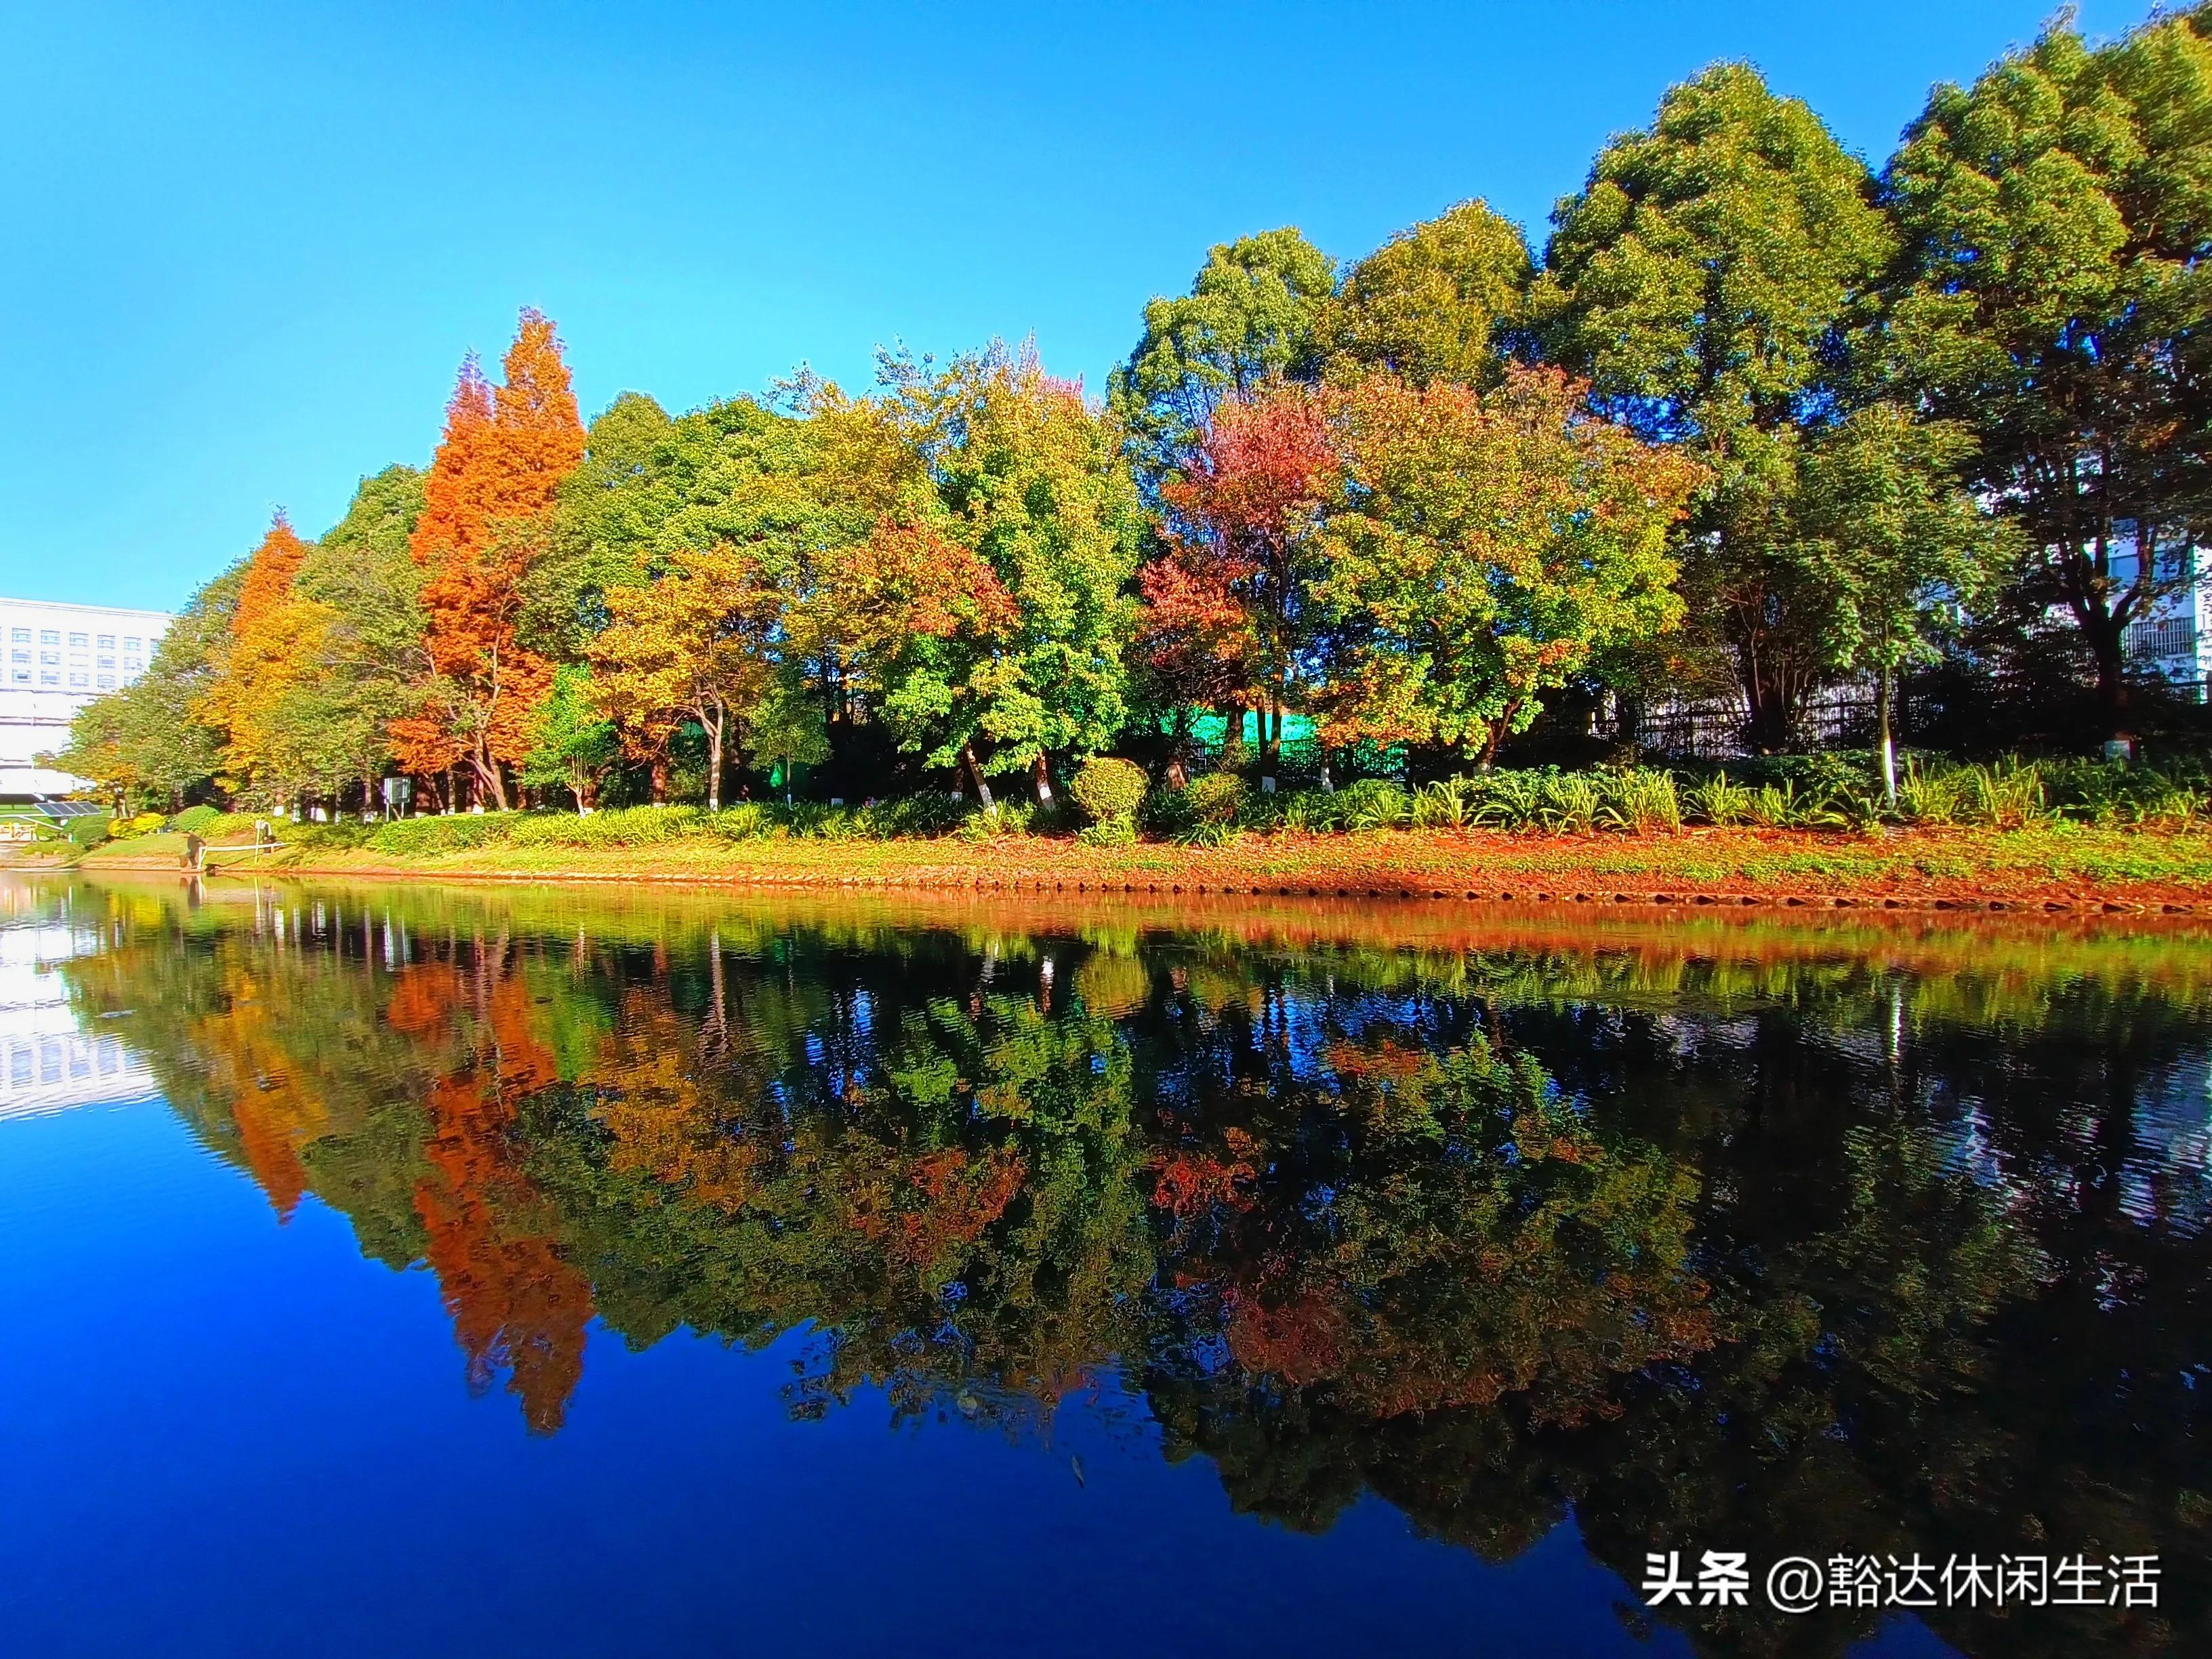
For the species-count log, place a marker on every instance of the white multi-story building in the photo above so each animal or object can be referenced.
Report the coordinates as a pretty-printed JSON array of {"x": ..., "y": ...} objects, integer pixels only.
[
  {"x": 2175, "y": 639},
  {"x": 55, "y": 659}
]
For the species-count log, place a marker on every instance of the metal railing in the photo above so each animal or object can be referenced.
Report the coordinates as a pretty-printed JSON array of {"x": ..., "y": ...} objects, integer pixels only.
[{"x": 2166, "y": 636}]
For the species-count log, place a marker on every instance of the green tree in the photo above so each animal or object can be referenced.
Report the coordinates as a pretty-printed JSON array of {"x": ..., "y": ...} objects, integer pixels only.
[
  {"x": 2056, "y": 216},
  {"x": 1703, "y": 279},
  {"x": 699, "y": 644},
  {"x": 610, "y": 509},
  {"x": 994, "y": 604},
  {"x": 572, "y": 743},
  {"x": 1251, "y": 316},
  {"x": 1485, "y": 547},
  {"x": 794, "y": 489},
  {"x": 359, "y": 650},
  {"x": 1435, "y": 301},
  {"x": 1893, "y": 544},
  {"x": 787, "y": 729}
]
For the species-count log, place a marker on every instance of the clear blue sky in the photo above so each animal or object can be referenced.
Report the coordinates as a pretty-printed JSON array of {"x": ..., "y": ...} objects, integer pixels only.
[{"x": 245, "y": 246}]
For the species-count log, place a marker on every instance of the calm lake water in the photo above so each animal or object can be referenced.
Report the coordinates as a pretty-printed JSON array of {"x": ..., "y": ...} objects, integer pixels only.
[{"x": 405, "y": 1271}]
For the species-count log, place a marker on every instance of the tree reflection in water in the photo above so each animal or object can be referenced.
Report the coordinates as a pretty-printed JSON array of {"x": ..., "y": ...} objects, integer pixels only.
[{"x": 1873, "y": 1244}]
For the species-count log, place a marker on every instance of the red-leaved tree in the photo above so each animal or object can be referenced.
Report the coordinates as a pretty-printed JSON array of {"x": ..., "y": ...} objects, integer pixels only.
[{"x": 1227, "y": 623}]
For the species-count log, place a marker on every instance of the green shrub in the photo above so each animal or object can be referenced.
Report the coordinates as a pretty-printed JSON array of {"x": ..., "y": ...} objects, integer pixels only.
[
  {"x": 933, "y": 813},
  {"x": 2105, "y": 792},
  {"x": 86, "y": 830},
  {"x": 195, "y": 820},
  {"x": 343, "y": 834},
  {"x": 1109, "y": 790},
  {"x": 428, "y": 838},
  {"x": 1218, "y": 797},
  {"x": 1210, "y": 833},
  {"x": 1013, "y": 817},
  {"x": 620, "y": 826},
  {"x": 1108, "y": 832},
  {"x": 1314, "y": 811},
  {"x": 1373, "y": 804}
]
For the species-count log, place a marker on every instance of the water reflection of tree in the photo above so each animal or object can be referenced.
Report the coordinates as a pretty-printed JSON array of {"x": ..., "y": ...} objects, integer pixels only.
[{"x": 1807, "y": 1255}]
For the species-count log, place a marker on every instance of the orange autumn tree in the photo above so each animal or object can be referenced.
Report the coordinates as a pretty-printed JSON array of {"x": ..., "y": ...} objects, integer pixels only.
[
  {"x": 258, "y": 658},
  {"x": 487, "y": 512}
]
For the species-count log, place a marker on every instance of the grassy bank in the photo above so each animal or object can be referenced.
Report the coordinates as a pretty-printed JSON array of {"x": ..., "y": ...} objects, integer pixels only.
[{"x": 2048, "y": 864}]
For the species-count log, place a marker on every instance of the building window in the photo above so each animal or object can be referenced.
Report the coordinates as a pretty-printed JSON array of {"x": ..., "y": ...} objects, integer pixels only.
[
  {"x": 22, "y": 677},
  {"x": 108, "y": 641},
  {"x": 52, "y": 658},
  {"x": 49, "y": 637},
  {"x": 22, "y": 636},
  {"x": 78, "y": 680},
  {"x": 47, "y": 677},
  {"x": 80, "y": 641},
  {"x": 130, "y": 642},
  {"x": 107, "y": 662},
  {"x": 107, "y": 682},
  {"x": 20, "y": 656}
]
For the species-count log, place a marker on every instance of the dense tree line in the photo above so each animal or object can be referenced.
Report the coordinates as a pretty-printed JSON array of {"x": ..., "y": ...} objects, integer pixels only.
[{"x": 1756, "y": 419}]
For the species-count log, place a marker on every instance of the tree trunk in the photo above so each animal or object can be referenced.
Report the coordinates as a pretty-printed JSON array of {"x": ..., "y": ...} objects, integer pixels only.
[
  {"x": 488, "y": 779},
  {"x": 2112, "y": 700},
  {"x": 1881, "y": 710},
  {"x": 713, "y": 725},
  {"x": 975, "y": 776},
  {"x": 660, "y": 777},
  {"x": 1628, "y": 720},
  {"x": 1040, "y": 770}
]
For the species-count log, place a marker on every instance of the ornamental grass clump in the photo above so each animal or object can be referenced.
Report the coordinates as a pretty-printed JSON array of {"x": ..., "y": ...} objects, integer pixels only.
[
  {"x": 1447, "y": 804},
  {"x": 2006, "y": 796},
  {"x": 1569, "y": 804},
  {"x": 1374, "y": 803},
  {"x": 1510, "y": 800},
  {"x": 1641, "y": 801},
  {"x": 1719, "y": 800}
]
